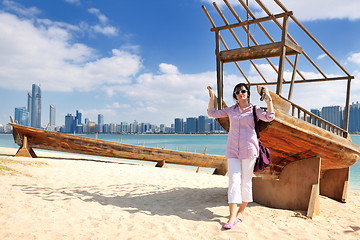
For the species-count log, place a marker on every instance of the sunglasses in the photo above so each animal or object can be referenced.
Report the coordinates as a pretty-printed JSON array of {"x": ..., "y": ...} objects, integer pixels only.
[{"x": 240, "y": 91}]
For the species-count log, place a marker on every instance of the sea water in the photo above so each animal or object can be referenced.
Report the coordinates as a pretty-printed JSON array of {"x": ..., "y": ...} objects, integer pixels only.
[{"x": 210, "y": 144}]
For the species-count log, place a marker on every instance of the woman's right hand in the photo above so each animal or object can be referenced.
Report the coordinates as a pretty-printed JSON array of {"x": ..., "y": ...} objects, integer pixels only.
[{"x": 211, "y": 92}]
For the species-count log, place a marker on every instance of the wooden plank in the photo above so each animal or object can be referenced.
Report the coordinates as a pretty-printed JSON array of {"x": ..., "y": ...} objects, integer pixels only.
[
  {"x": 293, "y": 189},
  {"x": 282, "y": 55},
  {"x": 314, "y": 202},
  {"x": 55, "y": 141},
  {"x": 258, "y": 52},
  {"x": 254, "y": 21},
  {"x": 334, "y": 184}
]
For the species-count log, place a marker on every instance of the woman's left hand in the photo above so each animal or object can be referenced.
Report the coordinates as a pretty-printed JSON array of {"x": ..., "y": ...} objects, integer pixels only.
[{"x": 264, "y": 92}]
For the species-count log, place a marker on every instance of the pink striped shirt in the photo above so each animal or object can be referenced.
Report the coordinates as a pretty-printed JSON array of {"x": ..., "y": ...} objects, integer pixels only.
[{"x": 242, "y": 142}]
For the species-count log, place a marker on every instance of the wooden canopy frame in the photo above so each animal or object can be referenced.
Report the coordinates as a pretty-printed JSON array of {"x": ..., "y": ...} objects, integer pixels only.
[{"x": 281, "y": 49}]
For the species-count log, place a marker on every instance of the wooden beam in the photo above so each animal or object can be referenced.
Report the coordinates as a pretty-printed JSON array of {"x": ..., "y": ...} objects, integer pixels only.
[
  {"x": 254, "y": 21},
  {"x": 219, "y": 71},
  {"x": 347, "y": 106},
  {"x": 293, "y": 77},
  {"x": 305, "y": 81},
  {"x": 259, "y": 51},
  {"x": 161, "y": 164},
  {"x": 282, "y": 56},
  {"x": 25, "y": 150}
]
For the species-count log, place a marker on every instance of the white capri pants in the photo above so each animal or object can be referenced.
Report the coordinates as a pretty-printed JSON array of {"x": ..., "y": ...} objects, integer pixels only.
[{"x": 240, "y": 180}]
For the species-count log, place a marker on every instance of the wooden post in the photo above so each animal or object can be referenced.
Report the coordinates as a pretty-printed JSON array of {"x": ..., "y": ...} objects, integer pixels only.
[
  {"x": 347, "y": 106},
  {"x": 314, "y": 202},
  {"x": 219, "y": 71},
  {"x": 161, "y": 164},
  {"x": 282, "y": 56},
  {"x": 25, "y": 150},
  {"x": 293, "y": 77},
  {"x": 221, "y": 170}
]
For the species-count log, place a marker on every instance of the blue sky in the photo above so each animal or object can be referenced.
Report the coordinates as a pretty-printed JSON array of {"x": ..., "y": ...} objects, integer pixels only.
[{"x": 148, "y": 61}]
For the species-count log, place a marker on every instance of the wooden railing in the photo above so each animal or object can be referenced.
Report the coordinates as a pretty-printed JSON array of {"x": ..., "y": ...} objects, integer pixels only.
[{"x": 301, "y": 113}]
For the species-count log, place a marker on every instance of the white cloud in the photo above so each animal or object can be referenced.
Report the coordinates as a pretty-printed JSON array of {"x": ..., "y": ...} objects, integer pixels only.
[
  {"x": 102, "y": 18},
  {"x": 45, "y": 53},
  {"x": 354, "y": 58},
  {"x": 322, "y": 56},
  {"x": 117, "y": 105},
  {"x": 168, "y": 68},
  {"x": 19, "y": 9},
  {"x": 106, "y": 30},
  {"x": 103, "y": 27},
  {"x": 76, "y": 2},
  {"x": 308, "y": 10}
]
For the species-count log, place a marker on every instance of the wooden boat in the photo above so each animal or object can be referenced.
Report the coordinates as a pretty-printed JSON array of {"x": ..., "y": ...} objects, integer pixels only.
[
  {"x": 28, "y": 138},
  {"x": 310, "y": 156}
]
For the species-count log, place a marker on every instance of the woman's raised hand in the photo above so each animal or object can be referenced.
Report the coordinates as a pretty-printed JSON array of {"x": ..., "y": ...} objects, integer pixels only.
[{"x": 211, "y": 92}]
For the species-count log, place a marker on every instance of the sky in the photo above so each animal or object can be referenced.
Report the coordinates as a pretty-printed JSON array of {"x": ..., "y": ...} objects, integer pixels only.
[{"x": 150, "y": 61}]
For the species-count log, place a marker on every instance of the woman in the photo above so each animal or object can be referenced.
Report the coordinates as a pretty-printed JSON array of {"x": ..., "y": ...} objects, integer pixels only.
[{"x": 242, "y": 146}]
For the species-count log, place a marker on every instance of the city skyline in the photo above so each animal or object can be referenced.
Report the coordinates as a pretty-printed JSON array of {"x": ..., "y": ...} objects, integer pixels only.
[
  {"x": 130, "y": 59},
  {"x": 200, "y": 124}
]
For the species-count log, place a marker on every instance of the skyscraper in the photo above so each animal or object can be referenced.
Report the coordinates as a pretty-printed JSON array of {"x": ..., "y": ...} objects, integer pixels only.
[
  {"x": 354, "y": 120},
  {"x": 100, "y": 123},
  {"x": 29, "y": 107},
  {"x": 179, "y": 125},
  {"x": 22, "y": 116},
  {"x": 333, "y": 114},
  {"x": 69, "y": 123},
  {"x": 191, "y": 125},
  {"x": 52, "y": 116},
  {"x": 36, "y": 106},
  {"x": 203, "y": 124},
  {"x": 78, "y": 117}
]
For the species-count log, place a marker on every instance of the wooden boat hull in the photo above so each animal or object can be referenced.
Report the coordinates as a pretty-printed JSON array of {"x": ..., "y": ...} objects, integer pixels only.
[
  {"x": 290, "y": 139},
  {"x": 37, "y": 138}
]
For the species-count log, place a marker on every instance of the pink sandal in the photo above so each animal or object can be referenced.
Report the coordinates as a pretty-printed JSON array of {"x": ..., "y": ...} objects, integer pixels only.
[{"x": 230, "y": 225}]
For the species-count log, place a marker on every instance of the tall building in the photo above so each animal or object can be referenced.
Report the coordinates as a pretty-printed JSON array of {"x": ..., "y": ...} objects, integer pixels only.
[
  {"x": 22, "y": 116},
  {"x": 179, "y": 125},
  {"x": 354, "y": 118},
  {"x": 100, "y": 123},
  {"x": 162, "y": 128},
  {"x": 29, "y": 107},
  {"x": 204, "y": 124},
  {"x": 36, "y": 106},
  {"x": 78, "y": 117},
  {"x": 52, "y": 116},
  {"x": 191, "y": 125},
  {"x": 333, "y": 114},
  {"x": 69, "y": 123},
  {"x": 124, "y": 127}
]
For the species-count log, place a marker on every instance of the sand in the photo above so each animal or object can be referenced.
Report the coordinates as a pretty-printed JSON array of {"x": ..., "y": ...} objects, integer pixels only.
[{"x": 58, "y": 196}]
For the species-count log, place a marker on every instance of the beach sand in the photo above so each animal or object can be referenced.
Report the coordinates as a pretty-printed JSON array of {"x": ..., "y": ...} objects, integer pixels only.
[{"x": 56, "y": 196}]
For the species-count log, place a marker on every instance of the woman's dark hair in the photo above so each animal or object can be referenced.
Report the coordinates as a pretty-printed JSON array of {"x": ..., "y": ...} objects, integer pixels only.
[{"x": 238, "y": 86}]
